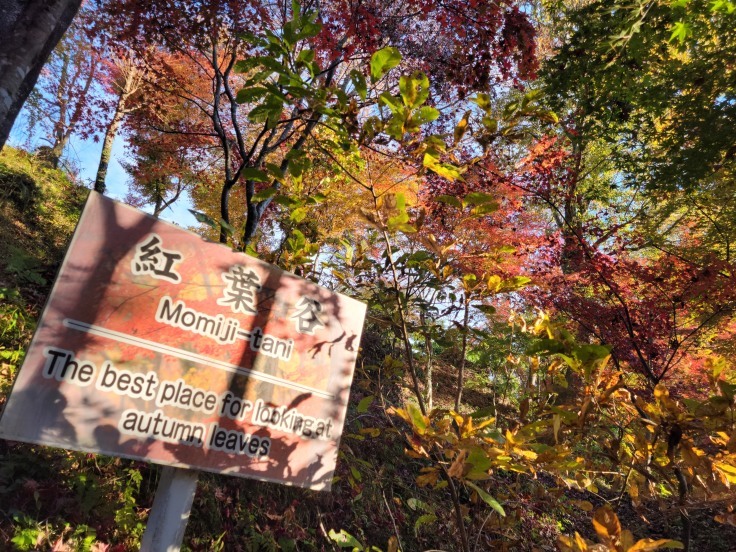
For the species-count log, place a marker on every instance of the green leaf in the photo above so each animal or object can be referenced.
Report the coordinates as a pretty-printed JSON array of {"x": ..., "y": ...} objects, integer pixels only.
[
  {"x": 391, "y": 102},
  {"x": 256, "y": 175},
  {"x": 416, "y": 504},
  {"x": 591, "y": 352},
  {"x": 264, "y": 194},
  {"x": 510, "y": 109},
  {"x": 343, "y": 539},
  {"x": 229, "y": 228},
  {"x": 426, "y": 519},
  {"x": 488, "y": 499},
  {"x": 483, "y": 101},
  {"x": 205, "y": 219},
  {"x": 449, "y": 200},
  {"x": 383, "y": 61},
  {"x": 358, "y": 80},
  {"x": 417, "y": 418},
  {"x": 425, "y": 115},
  {"x": 490, "y": 124},
  {"x": 515, "y": 282},
  {"x": 272, "y": 63},
  {"x": 275, "y": 171},
  {"x": 479, "y": 198},
  {"x": 286, "y": 201},
  {"x": 680, "y": 31},
  {"x": 414, "y": 89},
  {"x": 419, "y": 256},
  {"x": 305, "y": 56},
  {"x": 257, "y": 78},
  {"x": 395, "y": 127},
  {"x": 485, "y": 412},
  {"x": 728, "y": 389},
  {"x": 245, "y": 65},
  {"x": 406, "y": 228},
  {"x": 297, "y": 241},
  {"x": 530, "y": 96},
  {"x": 247, "y": 95},
  {"x": 365, "y": 403},
  {"x": 298, "y": 215},
  {"x": 486, "y": 209},
  {"x": 270, "y": 111},
  {"x": 450, "y": 172}
]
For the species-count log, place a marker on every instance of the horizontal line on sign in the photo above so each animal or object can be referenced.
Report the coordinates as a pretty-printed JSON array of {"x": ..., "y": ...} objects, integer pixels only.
[{"x": 193, "y": 357}]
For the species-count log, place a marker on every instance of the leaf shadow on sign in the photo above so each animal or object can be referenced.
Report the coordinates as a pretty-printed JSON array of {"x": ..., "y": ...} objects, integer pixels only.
[
  {"x": 85, "y": 419},
  {"x": 46, "y": 415},
  {"x": 291, "y": 459}
]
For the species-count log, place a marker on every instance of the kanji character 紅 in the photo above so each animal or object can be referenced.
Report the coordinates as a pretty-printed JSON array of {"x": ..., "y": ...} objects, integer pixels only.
[{"x": 155, "y": 261}]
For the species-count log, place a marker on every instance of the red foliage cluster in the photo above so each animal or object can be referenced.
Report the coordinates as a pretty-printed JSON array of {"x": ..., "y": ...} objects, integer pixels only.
[
  {"x": 654, "y": 308},
  {"x": 468, "y": 45},
  {"x": 505, "y": 242}
]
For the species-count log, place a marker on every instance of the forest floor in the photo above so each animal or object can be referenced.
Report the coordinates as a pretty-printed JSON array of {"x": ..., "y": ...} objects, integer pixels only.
[{"x": 60, "y": 500}]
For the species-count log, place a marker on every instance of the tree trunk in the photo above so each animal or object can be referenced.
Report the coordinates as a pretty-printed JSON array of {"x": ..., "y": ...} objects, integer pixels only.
[
  {"x": 158, "y": 204},
  {"x": 110, "y": 133},
  {"x": 428, "y": 366},
  {"x": 464, "y": 352},
  {"x": 60, "y": 137},
  {"x": 30, "y": 29}
]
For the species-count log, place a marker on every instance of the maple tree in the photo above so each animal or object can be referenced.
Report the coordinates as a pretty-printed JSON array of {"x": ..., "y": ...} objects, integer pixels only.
[
  {"x": 124, "y": 82},
  {"x": 61, "y": 103},
  {"x": 286, "y": 76}
]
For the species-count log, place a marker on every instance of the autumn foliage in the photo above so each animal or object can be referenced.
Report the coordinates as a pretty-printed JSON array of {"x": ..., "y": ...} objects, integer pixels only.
[{"x": 547, "y": 360}]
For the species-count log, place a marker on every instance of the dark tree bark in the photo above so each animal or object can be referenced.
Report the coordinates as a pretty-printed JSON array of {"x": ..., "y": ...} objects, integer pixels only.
[{"x": 30, "y": 30}]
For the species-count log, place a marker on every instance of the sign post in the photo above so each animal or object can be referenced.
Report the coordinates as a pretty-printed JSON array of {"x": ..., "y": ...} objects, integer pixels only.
[
  {"x": 158, "y": 345},
  {"x": 170, "y": 512}
]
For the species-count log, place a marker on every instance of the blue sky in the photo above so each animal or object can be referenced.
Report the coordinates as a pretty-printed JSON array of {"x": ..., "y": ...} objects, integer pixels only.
[{"x": 85, "y": 155}]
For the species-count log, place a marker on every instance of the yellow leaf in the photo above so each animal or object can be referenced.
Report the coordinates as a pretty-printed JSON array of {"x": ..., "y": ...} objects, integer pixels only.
[
  {"x": 485, "y": 423},
  {"x": 494, "y": 283},
  {"x": 556, "y": 421},
  {"x": 428, "y": 477},
  {"x": 627, "y": 539},
  {"x": 584, "y": 505},
  {"x": 727, "y": 470},
  {"x": 458, "y": 466},
  {"x": 461, "y": 127},
  {"x": 651, "y": 544},
  {"x": 690, "y": 455},
  {"x": 400, "y": 412},
  {"x": 572, "y": 544},
  {"x": 459, "y": 420},
  {"x": 580, "y": 543},
  {"x": 606, "y": 524},
  {"x": 370, "y": 431},
  {"x": 731, "y": 445}
]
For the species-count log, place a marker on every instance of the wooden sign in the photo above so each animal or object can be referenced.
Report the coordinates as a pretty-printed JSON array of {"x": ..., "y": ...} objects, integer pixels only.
[{"x": 158, "y": 345}]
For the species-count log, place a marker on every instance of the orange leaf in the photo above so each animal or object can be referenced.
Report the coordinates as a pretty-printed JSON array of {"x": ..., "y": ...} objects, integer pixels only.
[{"x": 606, "y": 524}]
